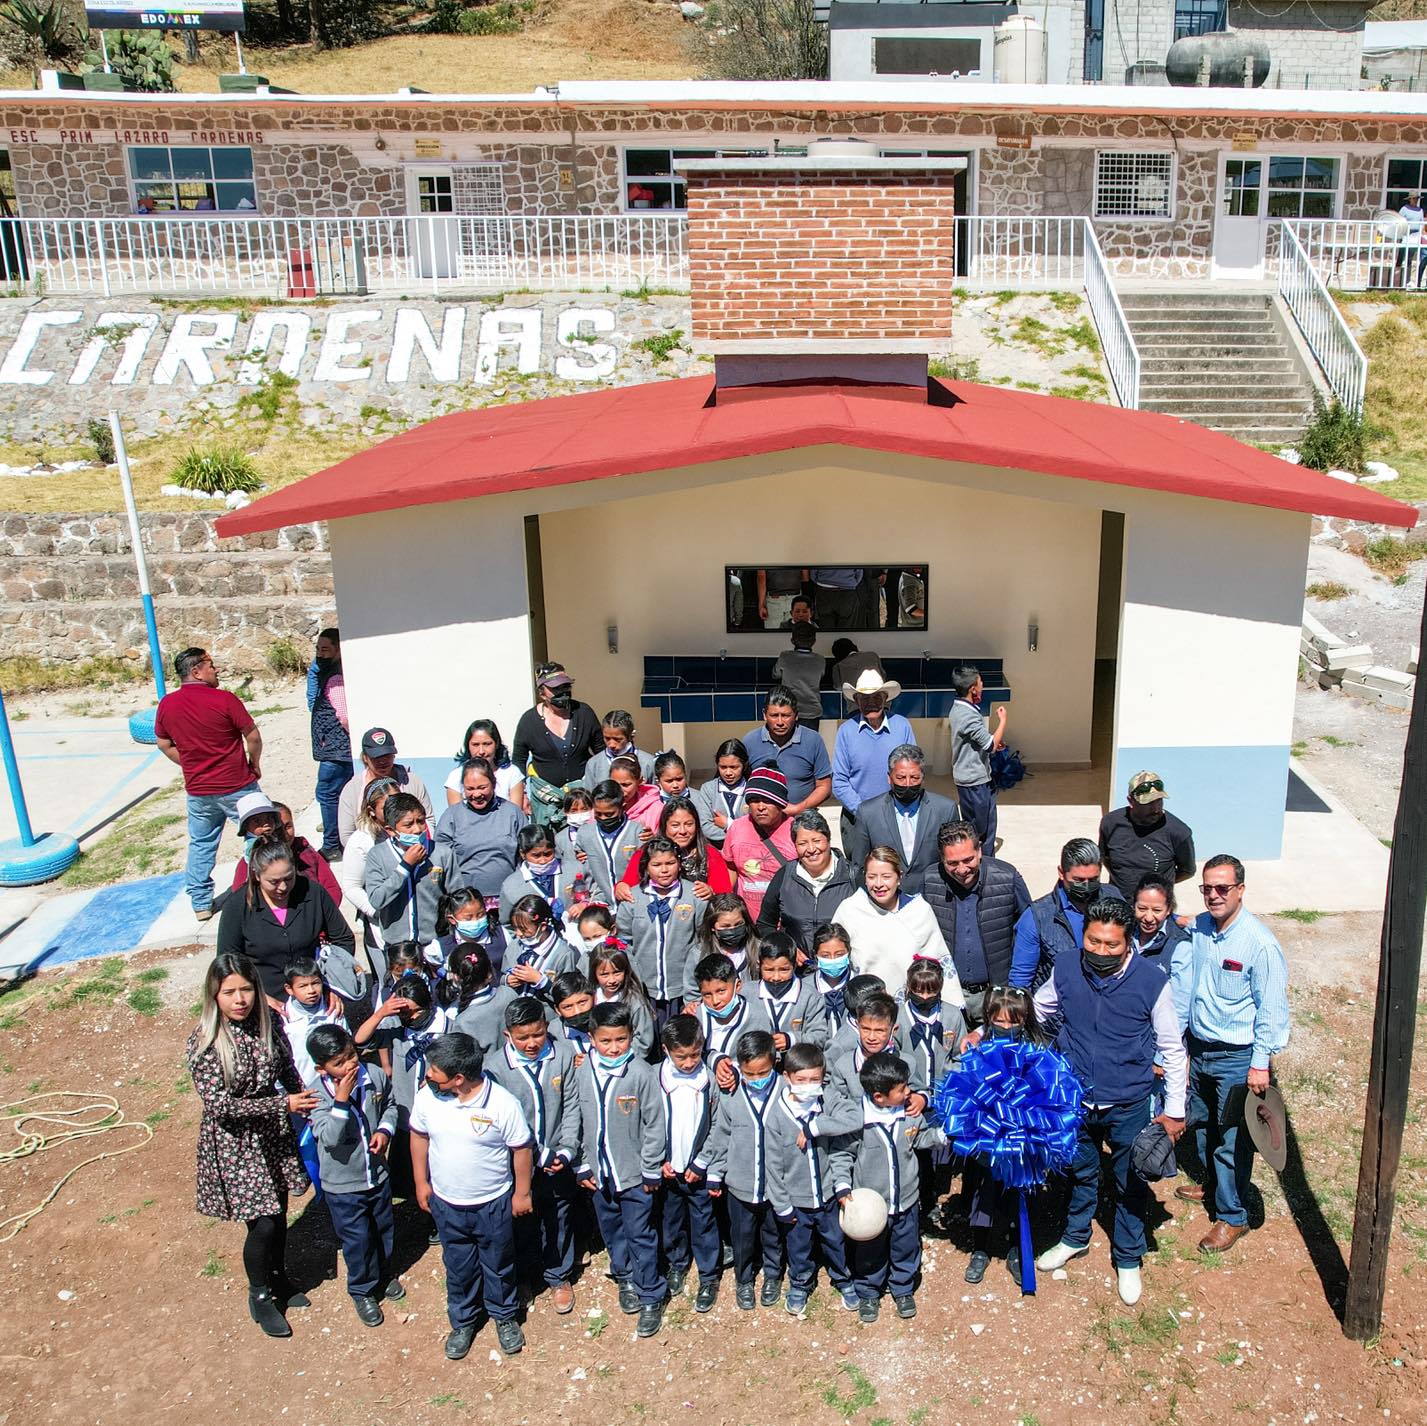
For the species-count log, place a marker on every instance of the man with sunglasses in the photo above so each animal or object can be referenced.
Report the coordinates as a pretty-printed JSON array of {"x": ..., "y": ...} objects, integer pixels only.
[
  {"x": 1143, "y": 837},
  {"x": 1230, "y": 983}
]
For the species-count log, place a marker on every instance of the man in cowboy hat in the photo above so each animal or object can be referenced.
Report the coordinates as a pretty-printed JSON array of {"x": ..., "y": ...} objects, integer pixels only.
[
  {"x": 1230, "y": 984},
  {"x": 907, "y": 817},
  {"x": 1143, "y": 837},
  {"x": 864, "y": 742},
  {"x": 972, "y": 744}
]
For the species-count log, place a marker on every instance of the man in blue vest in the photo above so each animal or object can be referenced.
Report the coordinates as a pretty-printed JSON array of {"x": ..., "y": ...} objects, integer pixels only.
[
  {"x": 1055, "y": 923},
  {"x": 1116, "y": 1011}
]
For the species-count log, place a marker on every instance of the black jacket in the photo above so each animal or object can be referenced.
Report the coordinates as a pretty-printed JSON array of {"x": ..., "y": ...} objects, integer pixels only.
[
  {"x": 791, "y": 905},
  {"x": 255, "y": 932},
  {"x": 1002, "y": 896},
  {"x": 554, "y": 764},
  {"x": 877, "y": 825}
]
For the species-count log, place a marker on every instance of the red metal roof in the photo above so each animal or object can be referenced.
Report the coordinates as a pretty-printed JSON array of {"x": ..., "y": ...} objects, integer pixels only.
[{"x": 659, "y": 425}]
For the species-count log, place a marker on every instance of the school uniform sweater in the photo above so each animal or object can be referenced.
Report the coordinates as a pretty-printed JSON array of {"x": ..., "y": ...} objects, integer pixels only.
[
  {"x": 407, "y": 899},
  {"x": 834, "y": 999},
  {"x": 798, "y": 1013},
  {"x": 718, "y": 797},
  {"x": 483, "y": 1017},
  {"x": 661, "y": 931},
  {"x": 736, "y": 1154},
  {"x": 721, "y": 1033},
  {"x": 930, "y": 1043},
  {"x": 343, "y": 1132},
  {"x": 607, "y": 854},
  {"x": 843, "y": 1072},
  {"x": 553, "y": 956},
  {"x": 546, "y": 1092},
  {"x": 408, "y": 1058},
  {"x": 622, "y": 1132},
  {"x": 564, "y": 884},
  {"x": 643, "y": 1020},
  {"x": 597, "y": 769},
  {"x": 688, "y": 1114},
  {"x": 798, "y": 1178},
  {"x": 883, "y": 1156}
]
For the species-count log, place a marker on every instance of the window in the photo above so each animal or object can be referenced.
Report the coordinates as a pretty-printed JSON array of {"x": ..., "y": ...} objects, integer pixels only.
[
  {"x": 650, "y": 180},
  {"x": 1134, "y": 185},
  {"x": 1243, "y": 177},
  {"x": 1198, "y": 17},
  {"x": 193, "y": 180},
  {"x": 1404, "y": 176},
  {"x": 435, "y": 192},
  {"x": 894, "y": 54},
  {"x": 1302, "y": 187},
  {"x": 1093, "y": 68}
]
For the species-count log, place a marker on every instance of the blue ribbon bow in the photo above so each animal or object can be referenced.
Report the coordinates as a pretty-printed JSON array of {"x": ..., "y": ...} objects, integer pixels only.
[{"x": 659, "y": 910}]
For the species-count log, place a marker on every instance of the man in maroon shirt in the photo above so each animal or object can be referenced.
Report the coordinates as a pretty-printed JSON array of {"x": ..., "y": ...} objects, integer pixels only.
[{"x": 208, "y": 733}]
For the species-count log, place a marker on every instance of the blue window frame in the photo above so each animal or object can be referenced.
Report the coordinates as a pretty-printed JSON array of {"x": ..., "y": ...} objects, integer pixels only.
[{"x": 1198, "y": 17}]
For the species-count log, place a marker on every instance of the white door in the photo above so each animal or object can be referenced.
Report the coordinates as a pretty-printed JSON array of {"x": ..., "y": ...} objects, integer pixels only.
[
  {"x": 1239, "y": 227},
  {"x": 434, "y": 230}
]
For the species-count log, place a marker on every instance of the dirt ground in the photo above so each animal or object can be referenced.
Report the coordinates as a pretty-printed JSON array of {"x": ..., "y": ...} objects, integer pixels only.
[{"x": 128, "y": 1306}]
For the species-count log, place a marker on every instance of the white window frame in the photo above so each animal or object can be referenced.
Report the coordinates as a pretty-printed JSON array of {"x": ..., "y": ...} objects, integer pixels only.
[
  {"x": 133, "y": 184},
  {"x": 1387, "y": 158},
  {"x": 713, "y": 149},
  {"x": 1104, "y": 155}
]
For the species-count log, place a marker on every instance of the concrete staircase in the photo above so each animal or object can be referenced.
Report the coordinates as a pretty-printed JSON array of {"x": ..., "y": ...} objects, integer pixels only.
[{"x": 1222, "y": 360}]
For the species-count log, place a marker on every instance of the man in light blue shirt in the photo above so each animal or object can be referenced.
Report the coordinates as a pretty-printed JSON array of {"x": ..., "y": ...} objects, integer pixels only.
[
  {"x": 864, "y": 742},
  {"x": 1230, "y": 984}
]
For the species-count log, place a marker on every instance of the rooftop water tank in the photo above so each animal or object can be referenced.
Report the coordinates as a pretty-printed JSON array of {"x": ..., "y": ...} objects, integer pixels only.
[
  {"x": 1226, "y": 51},
  {"x": 1020, "y": 51}
]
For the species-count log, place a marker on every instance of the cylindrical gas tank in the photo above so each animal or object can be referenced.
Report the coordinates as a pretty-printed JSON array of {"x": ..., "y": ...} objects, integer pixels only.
[
  {"x": 1020, "y": 51},
  {"x": 1226, "y": 50}
]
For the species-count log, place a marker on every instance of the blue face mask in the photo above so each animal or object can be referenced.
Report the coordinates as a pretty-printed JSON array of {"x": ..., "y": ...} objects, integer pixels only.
[
  {"x": 834, "y": 966},
  {"x": 472, "y": 930},
  {"x": 409, "y": 839},
  {"x": 759, "y": 1084},
  {"x": 608, "y": 1062},
  {"x": 445, "y": 1095},
  {"x": 725, "y": 1012}
]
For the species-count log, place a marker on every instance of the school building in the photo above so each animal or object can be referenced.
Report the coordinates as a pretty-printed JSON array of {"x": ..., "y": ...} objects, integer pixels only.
[{"x": 1092, "y": 559}]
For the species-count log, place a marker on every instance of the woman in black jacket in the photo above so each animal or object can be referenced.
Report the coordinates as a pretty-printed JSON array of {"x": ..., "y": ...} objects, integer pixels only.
[
  {"x": 280, "y": 916},
  {"x": 804, "y": 894},
  {"x": 553, "y": 742}
]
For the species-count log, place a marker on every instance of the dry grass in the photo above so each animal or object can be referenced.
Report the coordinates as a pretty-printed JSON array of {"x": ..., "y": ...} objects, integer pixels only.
[{"x": 1396, "y": 348}]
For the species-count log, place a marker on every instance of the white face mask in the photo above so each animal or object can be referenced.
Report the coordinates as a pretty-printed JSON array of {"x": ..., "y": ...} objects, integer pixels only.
[
  {"x": 805, "y": 1093},
  {"x": 578, "y": 819}
]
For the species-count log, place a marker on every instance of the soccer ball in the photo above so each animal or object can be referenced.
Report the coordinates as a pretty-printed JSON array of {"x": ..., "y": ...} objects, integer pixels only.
[{"x": 864, "y": 1215}]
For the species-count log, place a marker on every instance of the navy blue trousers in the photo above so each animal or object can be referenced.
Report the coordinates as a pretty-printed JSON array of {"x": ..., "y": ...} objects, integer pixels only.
[
  {"x": 547, "y": 1236},
  {"x": 627, "y": 1225},
  {"x": 753, "y": 1231},
  {"x": 690, "y": 1228},
  {"x": 1116, "y": 1127},
  {"x": 815, "y": 1230},
  {"x": 978, "y": 806},
  {"x": 478, "y": 1252},
  {"x": 892, "y": 1260},
  {"x": 366, "y": 1230}
]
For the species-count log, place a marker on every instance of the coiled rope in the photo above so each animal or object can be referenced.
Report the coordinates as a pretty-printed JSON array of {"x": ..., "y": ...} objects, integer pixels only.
[{"x": 50, "y": 1127}]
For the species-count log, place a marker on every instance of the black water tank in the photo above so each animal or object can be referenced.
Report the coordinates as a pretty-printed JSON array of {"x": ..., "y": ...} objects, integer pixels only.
[{"x": 1227, "y": 51}]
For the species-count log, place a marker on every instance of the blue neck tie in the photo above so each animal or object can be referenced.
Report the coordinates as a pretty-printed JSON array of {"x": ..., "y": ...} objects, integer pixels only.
[{"x": 419, "y": 1044}]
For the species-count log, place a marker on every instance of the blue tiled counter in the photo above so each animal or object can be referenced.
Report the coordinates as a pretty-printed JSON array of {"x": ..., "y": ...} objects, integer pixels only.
[{"x": 732, "y": 690}]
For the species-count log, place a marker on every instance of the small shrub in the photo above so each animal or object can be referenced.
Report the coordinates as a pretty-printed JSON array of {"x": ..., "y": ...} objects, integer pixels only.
[
  {"x": 102, "y": 439},
  {"x": 271, "y": 396},
  {"x": 284, "y": 657},
  {"x": 445, "y": 17},
  {"x": 662, "y": 344},
  {"x": 1336, "y": 439},
  {"x": 500, "y": 19},
  {"x": 1327, "y": 589},
  {"x": 220, "y": 471},
  {"x": 955, "y": 368},
  {"x": 1391, "y": 556}
]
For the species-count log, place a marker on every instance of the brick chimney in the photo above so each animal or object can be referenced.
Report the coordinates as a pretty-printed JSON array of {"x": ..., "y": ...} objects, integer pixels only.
[{"x": 835, "y": 266}]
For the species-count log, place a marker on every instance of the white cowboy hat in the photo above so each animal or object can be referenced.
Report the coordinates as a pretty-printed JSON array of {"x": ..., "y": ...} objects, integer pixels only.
[{"x": 869, "y": 681}]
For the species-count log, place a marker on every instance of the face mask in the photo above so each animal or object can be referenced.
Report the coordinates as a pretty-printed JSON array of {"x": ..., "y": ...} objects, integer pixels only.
[
  {"x": 1102, "y": 965},
  {"x": 760, "y": 1084},
  {"x": 609, "y": 824},
  {"x": 615, "y": 1062},
  {"x": 778, "y": 988},
  {"x": 472, "y": 930},
  {"x": 562, "y": 702},
  {"x": 578, "y": 819},
  {"x": 327, "y": 665},
  {"x": 834, "y": 966},
  {"x": 1006, "y": 1032},
  {"x": 805, "y": 1093},
  {"x": 725, "y": 1012},
  {"x": 925, "y": 1004},
  {"x": 733, "y": 936},
  {"x": 1081, "y": 891},
  {"x": 445, "y": 1095},
  {"x": 578, "y": 1022},
  {"x": 249, "y": 842},
  {"x": 409, "y": 839},
  {"x": 531, "y": 943},
  {"x": 906, "y": 795}
]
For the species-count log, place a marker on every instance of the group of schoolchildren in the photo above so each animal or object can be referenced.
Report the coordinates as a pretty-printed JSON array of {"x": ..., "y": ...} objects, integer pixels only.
[{"x": 696, "y": 1096}]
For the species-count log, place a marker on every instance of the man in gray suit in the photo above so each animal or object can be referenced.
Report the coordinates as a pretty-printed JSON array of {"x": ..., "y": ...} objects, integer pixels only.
[{"x": 906, "y": 818}]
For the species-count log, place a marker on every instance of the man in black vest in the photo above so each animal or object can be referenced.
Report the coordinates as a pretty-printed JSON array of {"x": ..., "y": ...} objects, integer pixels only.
[
  {"x": 906, "y": 818},
  {"x": 977, "y": 900}
]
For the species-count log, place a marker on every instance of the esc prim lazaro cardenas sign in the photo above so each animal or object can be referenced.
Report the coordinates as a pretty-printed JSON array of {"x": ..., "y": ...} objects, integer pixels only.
[{"x": 395, "y": 345}]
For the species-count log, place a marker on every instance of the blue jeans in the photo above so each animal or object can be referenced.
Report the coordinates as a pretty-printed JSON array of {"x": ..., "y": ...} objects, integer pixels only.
[
  {"x": 978, "y": 806},
  {"x": 332, "y": 777},
  {"x": 1218, "y": 1082},
  {"x": 892, "y": 1260},
  {"x": 206, "y": 816},
  {"x": 366, "y": 1230},
  {"x": 1117, "y": 1127},
  {"x": 810, "y": 1230},
  {"x": 478, "y": 1253}
]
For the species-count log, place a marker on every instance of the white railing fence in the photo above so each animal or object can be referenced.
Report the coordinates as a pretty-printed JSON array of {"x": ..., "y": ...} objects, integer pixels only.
[
  {"x": 1355, "y": 256},
  {"x": 1020, "y": 254},
  {"x": 321, "y": 257},
  {"x": 1122, "y": 356},
  {"x": 1334, "y": 349}
]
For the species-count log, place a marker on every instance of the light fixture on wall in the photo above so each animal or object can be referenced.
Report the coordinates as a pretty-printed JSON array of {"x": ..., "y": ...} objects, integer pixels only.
[
  {"x": 381, "y": 144},
  {"x": 1033, "y": 635},
  {"x": 612, "y": 634}
]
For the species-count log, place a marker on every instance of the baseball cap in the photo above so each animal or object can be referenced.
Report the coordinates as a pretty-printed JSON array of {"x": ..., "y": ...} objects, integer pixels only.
[
  {"x": 1147, "y": 787},
  {"x": 558, "y": 679},
  {"x": 378, "y": 742},
  {"x": 252, "y": 804}
]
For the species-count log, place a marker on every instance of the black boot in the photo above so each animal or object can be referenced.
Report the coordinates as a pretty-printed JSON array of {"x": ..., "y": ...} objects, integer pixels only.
[
  {"x": 286, "y": 1295},
  {"x": 265, "y": 1313}
]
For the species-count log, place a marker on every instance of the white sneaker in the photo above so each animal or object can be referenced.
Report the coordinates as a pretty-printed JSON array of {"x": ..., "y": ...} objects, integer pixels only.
[
  {"x": 1058, "y": 1256},
  {"x": 1129, "y": 1284}
]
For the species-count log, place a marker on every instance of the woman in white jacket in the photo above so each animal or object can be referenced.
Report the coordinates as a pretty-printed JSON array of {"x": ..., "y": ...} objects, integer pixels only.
[{"x": 889, "y": 929}]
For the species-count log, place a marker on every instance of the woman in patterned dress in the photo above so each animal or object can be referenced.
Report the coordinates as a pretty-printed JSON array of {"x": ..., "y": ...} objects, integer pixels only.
[{"x": 248, "y": 1162}]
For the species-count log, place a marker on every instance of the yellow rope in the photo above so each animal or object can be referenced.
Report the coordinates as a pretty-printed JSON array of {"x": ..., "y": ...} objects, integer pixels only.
[{"x": 75, "y": 1123}]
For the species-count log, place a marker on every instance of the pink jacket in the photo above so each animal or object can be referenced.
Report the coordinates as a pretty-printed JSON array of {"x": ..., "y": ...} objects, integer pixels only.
[{"x": 753, "y": 864}]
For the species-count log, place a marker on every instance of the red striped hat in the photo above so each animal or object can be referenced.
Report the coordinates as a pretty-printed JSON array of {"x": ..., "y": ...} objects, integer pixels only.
[{"x": 767, "y": 783}]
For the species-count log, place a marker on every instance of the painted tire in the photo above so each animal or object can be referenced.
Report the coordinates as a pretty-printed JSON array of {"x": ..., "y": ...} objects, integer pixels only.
[
  {"x": 141, "y": 726},
  {"x": 27, "y": 866}
]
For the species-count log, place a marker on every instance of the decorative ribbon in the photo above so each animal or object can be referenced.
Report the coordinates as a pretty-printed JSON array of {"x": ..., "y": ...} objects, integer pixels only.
[
  {"x": 307, "y": 1151},
  {"x": 1017, "y": 1108}
]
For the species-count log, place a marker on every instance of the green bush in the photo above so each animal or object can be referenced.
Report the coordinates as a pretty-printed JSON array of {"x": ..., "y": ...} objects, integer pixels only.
[
  {"x": 504, "y": 18},
  {"x": 139, "y": 57},
  {"x": 1336, "y": 439},
  {"x": 283, "y": 656},
  {"x": 445, "y": 17},
  {"x": 220, "y": 471},
  {"x": 102, "y": 439}
]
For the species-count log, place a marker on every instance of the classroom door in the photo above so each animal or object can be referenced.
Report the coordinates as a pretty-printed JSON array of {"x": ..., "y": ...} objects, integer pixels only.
[
  {"x": 1239, "y": 228},
  {"x": 435, "y": 230}
]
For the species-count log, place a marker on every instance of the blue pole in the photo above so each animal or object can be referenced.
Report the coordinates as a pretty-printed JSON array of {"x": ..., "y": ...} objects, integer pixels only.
[
  {"x": 155, "y": 658},
  {"x": 12, "y": 776}
]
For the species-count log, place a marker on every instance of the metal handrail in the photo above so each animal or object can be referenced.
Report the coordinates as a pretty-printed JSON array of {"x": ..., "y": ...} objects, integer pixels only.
[{"x": 1334, "y": 347}]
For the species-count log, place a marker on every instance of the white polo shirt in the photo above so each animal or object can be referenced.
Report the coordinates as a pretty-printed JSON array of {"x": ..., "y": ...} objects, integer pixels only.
[{"x": 471, "y": 1142}]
